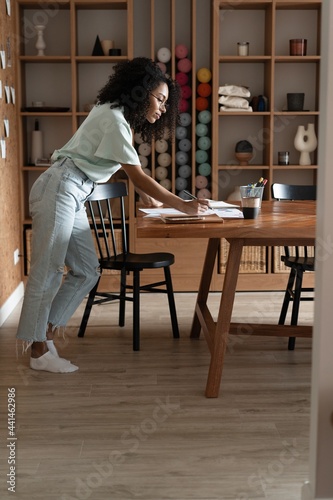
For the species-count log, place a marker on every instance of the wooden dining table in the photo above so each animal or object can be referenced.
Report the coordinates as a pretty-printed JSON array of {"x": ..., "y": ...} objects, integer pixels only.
[{"x": 279, "y": 223}]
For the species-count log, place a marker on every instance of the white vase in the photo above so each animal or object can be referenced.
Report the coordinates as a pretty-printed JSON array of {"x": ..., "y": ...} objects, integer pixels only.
[
  {"x": 235, "y": 195},
  {"x": 305, "y": 141},
  {"x": 40, "y": 44}
]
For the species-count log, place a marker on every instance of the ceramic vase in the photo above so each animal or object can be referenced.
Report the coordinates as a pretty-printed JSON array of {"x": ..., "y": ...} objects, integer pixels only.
[
  {"x": 40, "y": 44},
  {"x": 305, "y": 141}
]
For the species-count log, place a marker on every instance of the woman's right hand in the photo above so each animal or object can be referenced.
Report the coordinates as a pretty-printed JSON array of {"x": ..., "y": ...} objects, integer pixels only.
[{"x": 195, "y": 207}]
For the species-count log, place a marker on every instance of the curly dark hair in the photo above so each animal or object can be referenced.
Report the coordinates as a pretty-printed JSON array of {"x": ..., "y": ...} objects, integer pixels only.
[{"x": 130, "y": 85}]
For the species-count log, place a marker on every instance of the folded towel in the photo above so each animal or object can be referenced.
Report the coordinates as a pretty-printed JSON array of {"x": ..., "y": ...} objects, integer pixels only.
[
  {"x": 234, "y": 90},
  {"x": 226, "y": 108},
  {"x": 233, "y": 102}
]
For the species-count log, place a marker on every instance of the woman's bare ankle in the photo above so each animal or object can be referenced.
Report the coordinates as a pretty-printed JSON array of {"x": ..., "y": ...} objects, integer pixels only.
[{"x": 38, "y": 349}]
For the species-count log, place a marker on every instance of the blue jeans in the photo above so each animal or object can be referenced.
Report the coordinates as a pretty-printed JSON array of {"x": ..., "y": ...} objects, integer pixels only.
[{"x": 61, "y": 236}]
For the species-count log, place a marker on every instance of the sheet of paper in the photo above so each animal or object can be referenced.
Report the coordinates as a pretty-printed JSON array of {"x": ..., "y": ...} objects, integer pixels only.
[
  {"x": 221, "y": 204},
  {"x": 157, "y": 212},
  {"x": 229, "y": 213},
  {"x": 220, "y": 208}
]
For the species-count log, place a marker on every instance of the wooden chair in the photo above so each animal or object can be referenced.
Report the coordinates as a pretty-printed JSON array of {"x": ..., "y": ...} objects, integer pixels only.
[
  {"x": 115, "y": 255},
  {"x": 297, "y": 258}
]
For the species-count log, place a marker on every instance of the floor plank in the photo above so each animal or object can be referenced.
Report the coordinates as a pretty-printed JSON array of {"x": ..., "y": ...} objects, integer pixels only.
[{"x": 136, "y": 425}]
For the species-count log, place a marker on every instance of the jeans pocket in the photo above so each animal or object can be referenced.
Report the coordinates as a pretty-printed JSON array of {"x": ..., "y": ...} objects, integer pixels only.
[{"x": 39, "y": 187}]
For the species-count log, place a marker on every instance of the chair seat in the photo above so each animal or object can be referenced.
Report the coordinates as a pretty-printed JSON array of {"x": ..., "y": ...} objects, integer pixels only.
[
  {"x": 134, "y": 261},
  {"x": 304, "y": 263}
]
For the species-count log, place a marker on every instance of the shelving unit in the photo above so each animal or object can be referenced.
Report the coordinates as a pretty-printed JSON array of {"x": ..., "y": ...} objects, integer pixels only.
[
  {"x": 168, "y": 24},
  {"x": 69, "y": 77},
  {"x": 267, "y": 71}
]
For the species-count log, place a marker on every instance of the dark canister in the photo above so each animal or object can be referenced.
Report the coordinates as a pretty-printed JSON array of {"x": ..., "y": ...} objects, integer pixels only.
[
  {"x": 283, "y": 157},
  {"x": 297, "y": 46}
]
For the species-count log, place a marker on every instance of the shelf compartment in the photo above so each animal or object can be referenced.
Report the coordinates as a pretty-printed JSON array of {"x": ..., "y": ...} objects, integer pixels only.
[
  {"x": 296, "y": 78},
  {"x": 253, "y": 261},
  {"x": 91, "y": 79},
  {"x": 284, "y": 131},
  {"x": 231, "y": 130},
  {"x": 289, "y": 24},
  {"x": 229, "y": 180},
  {"x": 247, "y": 21},
  {"x": 52, "y": 15},
  {"x": 108, "y": 24},
  {"x": 51, "y": 87}
]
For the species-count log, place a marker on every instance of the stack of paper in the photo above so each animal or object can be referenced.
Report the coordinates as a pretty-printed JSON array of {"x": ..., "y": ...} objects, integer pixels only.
[{"x": 219, "y": 208}]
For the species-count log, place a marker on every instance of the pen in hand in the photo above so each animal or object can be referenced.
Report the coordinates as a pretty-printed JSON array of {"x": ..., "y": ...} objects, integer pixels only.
[{"x": 190, "y": 195}]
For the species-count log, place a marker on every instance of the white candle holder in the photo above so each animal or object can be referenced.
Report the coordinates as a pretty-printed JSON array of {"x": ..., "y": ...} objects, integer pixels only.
[{"x": 40, "y": 44}]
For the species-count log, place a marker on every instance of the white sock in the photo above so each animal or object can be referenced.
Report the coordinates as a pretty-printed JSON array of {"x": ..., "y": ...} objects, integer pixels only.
[
  {"x": 49, "y": 363},
  {"x": 52, "y": 348}
]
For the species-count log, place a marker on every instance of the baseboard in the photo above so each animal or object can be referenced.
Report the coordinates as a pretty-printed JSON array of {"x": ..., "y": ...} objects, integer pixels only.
[
  {"x": 11, "y": 303},
  {"x": 308, "y": 494}
]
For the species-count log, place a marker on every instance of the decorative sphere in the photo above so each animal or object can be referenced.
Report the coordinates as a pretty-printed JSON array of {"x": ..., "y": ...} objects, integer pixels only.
[
  {"x": 201, "y": 129},
  {"x": 185, "y": 145},
  {"x": 185, "y": 171},
  {"x": 204, "y": 75},
  {"x": 162, "y": 66},
  {"x": 182, "y": 78},
  {"x": 138, "y": 139},
  {"x": 186, "y": 91},
  {"x": 205, "y": 116},
  {"x": 144, "y": 149},
  {"x": 143, "y": 161},
  {"x": 201, "y": 181},
  {"x": 161, "y": 173},
  {"x": 183, "y": 195},
  {"x": 181, "y": 133},
  {"x": 204, "y": 89},
  {"x": 181, "y": 158},
  {"x": 205, "y": 169},
  {"x": 184, "y": 65},
  {"x": 183, "y": 105},
  {"x": 201, "y": 103},
  {"x": 161, "y": 146},
  {"x": 164, "y": 159},
  {"x": 201, "y": 156},
  {"x": 204, "y": 143},
  {"x": 204, "y": 193},
  {"x": 164, "y": 55},
  {"x": 243, "y": 147},
  {"x": 181, "y": 51},
  {"x": 166, "y": 183},
  {"x": 181, "y": 183},
  {"x": 185, "y": 119},
  {"x": 147, "y": 171}
]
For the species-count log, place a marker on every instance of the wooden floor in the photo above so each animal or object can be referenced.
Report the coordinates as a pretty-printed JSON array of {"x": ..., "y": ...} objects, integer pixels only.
[{"x": 136, "y": 425}]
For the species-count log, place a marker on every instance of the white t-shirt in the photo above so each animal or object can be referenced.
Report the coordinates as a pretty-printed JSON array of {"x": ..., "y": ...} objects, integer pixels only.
[{"x": 101, "y": 144}]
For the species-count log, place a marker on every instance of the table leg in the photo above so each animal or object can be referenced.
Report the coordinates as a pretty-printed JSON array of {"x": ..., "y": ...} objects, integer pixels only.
[
  {"x": 220, "y": 336},
  {"x": 205, "y": 281}
]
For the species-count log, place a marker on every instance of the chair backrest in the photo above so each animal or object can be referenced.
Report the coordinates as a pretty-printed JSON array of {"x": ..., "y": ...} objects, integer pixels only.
[
  {"x": 297, "y": 193},
  {"x": 293, "y": 192},
  {"x": 110, "y": 231}
]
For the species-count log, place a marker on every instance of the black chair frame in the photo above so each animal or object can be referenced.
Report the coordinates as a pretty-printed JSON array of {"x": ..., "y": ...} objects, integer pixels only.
[
  {"x": 299, "y": 261},
  {"x": 118, "y": 257}
]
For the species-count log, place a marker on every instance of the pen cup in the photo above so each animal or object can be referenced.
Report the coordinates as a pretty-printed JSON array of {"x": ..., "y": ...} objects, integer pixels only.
[{"x": 251, "y": 198}]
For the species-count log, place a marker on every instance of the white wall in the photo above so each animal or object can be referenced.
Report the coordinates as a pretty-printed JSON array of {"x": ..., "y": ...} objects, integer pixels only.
[{"x": 320, "y": 484}]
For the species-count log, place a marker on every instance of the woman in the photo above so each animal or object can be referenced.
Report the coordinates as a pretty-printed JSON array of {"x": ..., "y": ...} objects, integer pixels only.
[{"x": 138, "y": 98}]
